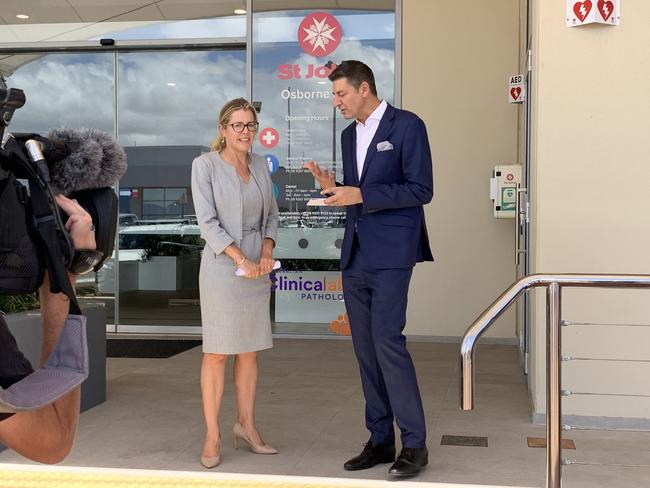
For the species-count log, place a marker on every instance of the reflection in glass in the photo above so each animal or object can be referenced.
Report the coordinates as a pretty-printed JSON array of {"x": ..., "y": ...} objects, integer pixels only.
[
  {"x": 69, "y": 90},
  {"x": 154, "y": 194},
  {"x": 168, "y": 105},
  {"x": 293, "y": 54},
  {"x": 65, "y": 90}
]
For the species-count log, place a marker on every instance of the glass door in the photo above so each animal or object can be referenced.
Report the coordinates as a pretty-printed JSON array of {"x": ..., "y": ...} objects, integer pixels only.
[
  {"x": 293, "y": 52},
  {"x": 71, "y": 90},
  {"x": 168, "y": 105}
]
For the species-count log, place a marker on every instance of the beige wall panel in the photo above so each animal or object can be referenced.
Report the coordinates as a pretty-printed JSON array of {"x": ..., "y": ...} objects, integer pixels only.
[
  {"x": 607, "y": 406},
  {"x": 592, "y": 211},
  {"x": 457, "y": 57}
]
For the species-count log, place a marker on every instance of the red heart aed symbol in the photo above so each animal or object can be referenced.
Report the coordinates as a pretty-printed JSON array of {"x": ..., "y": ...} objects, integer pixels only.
[
  {"x": 606, "y": 9},
  {"x": 582, "y": 9},
  {"x": 515, "y": 92}
]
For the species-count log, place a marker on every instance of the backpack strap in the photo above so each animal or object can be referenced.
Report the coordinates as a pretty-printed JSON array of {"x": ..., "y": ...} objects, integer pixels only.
[{"x": 50, "y": 227}]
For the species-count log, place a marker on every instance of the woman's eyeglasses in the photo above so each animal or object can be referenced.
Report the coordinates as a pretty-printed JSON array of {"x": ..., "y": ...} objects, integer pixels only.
[{"x": 239, "y": 126}]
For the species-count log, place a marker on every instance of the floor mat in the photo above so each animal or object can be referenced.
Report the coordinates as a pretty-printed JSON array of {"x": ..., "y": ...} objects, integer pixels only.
[{"x": 147, "y": 348}]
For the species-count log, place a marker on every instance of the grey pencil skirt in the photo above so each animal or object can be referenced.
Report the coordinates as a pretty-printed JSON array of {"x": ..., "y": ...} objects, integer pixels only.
[{"x": 235, "y": 311}]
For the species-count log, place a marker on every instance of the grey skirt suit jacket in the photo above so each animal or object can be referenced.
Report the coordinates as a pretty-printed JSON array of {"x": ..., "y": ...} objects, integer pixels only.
[{"x": 235, "y": 313}]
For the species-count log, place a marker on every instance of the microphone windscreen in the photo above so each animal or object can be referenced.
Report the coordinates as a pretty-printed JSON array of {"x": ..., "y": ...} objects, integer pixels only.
[{"x": 94, "y": 160}]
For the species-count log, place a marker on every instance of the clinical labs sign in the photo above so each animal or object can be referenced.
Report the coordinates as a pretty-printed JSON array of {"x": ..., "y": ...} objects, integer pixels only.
[
  {"x": 517, "y": 89},
  {"x": 583, "y": 12},
  {"x": 308, "y": 296}
]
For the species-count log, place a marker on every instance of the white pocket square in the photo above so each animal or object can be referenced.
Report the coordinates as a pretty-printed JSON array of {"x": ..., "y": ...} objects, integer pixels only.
[{"x": 384, "y": 146}]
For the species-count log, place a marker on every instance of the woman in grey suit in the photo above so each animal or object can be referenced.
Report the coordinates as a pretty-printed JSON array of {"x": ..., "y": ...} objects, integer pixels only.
[{"x": 238, "y": 217}]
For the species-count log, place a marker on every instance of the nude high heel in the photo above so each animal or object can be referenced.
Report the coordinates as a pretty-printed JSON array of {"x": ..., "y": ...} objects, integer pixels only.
[
  {"x": 212, "y": 461},
  {"x": 239, "y": 435}
]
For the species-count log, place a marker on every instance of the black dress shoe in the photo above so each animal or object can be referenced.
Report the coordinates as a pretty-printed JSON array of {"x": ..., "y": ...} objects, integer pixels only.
[
  {"x": 410, "y": 462},
  {"x": 371, "y": 455}
]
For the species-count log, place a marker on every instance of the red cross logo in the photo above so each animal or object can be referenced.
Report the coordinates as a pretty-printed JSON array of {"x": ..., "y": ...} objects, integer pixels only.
[{"x": 269, "y": 137}]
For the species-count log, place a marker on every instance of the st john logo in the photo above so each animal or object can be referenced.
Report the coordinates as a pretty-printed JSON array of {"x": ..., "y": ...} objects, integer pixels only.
[{"x": 319, "y": 34}]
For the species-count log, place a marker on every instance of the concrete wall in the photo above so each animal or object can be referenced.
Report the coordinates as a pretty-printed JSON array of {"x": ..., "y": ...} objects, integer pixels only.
[
  {"x": 591, "y": 173},
  {"x": 457, "y": 57}
]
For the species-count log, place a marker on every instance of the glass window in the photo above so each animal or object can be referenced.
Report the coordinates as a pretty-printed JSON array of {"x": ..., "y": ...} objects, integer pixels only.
[
  {"x": 64, "y": 90},
  {"x": 166, "y": 115},
  {"x": 176, "y": 194},
  {"x": 71, "y": 90},
  {"x": 166, "y": 119},
  {"x": 162, "y": 202},
  {"x": 172, "y": 98},
  {"x": 294, "y": 51},
  {"x": 153, "y": 194},
  {"x": 168, "y": 104},
  {"x": 153, "y": 209}
]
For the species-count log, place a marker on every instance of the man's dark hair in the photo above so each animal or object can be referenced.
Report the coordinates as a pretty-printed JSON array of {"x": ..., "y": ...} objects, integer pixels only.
[{"x": 356, "y": 73}]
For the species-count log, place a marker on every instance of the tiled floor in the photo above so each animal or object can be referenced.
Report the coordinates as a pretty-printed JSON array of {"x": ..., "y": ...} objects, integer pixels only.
[{"x": 310, "y": 407}]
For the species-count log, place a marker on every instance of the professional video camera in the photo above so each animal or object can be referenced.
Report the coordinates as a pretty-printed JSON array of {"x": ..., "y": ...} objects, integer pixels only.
[
  {"x": 80, "y": 163},
  {"x": 83, "y": 164}
]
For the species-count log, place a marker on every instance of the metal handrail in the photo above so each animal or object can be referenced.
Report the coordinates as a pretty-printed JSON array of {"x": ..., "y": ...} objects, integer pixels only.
[{"x": 554, "y": 284}]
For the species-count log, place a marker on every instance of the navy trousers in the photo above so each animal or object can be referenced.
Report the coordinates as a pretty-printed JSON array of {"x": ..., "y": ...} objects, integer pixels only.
[{"x": 375, "y": 300}]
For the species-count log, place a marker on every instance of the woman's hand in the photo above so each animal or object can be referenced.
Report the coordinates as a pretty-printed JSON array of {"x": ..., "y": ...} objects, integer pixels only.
[
  {"x": 266, "y": 263},
  {"x": 251, "y": 269}
]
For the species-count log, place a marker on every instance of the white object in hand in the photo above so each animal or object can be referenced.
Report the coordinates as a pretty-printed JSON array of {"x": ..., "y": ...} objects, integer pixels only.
[
  {"x": 241, "y": 272},
  {"x": 315, "y": 202}
]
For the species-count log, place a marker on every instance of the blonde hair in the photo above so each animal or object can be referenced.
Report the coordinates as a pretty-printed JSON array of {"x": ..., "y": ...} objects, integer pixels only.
[{"x": 218, "y": 143}]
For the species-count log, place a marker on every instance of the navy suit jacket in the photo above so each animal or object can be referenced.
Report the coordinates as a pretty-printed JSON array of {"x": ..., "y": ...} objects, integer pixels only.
[{"x": 395, "y": 184}]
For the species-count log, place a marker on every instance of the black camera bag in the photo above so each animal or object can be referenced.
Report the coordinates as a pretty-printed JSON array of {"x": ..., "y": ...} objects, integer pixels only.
[
  {"x": 37, "y": 220},
  {"x": 21, "y": 264}
]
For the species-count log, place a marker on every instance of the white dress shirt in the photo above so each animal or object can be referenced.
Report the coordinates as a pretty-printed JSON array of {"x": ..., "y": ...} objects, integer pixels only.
[{"x": 365, "y": 132}]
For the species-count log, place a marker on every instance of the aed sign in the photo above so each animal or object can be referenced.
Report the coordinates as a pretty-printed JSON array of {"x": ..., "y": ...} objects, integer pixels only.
[
  {"x": 582, "y": 12},
  {"x": 517, "y": 89}
]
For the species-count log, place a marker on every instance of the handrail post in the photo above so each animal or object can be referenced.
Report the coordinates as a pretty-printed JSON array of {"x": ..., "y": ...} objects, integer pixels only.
[{"x": 553, "y": 386}]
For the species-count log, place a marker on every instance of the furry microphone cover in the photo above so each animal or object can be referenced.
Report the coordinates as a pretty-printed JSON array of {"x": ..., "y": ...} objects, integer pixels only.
[{"x": 94, "y": 160}]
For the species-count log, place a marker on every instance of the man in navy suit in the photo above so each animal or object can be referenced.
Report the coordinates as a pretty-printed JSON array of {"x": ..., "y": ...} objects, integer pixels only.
[{"x": 387, "y": 178}]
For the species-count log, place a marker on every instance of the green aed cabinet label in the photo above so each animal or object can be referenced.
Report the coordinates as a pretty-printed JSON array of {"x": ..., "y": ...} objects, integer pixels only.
[{"x": 508, "y": 198}]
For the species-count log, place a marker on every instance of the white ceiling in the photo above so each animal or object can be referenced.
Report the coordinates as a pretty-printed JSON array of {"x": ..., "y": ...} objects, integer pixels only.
[{"x": 90, "y": 11}]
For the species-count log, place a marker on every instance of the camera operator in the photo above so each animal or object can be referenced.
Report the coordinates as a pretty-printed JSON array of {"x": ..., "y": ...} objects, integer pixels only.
[{"x": 47, "y": 434}]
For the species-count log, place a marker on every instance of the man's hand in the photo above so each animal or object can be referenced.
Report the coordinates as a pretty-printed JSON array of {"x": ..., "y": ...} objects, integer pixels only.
[
  {"x": 342, "y": 196},
  {"x": 324, "y": 177},
  {"x": 79, "y": 223}
]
